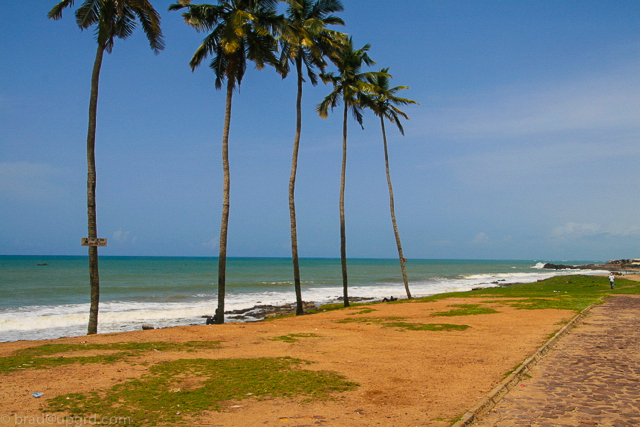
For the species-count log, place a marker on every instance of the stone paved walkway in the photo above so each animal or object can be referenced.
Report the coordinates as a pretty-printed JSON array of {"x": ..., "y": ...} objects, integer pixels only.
[{"x": 591, "y": 377}]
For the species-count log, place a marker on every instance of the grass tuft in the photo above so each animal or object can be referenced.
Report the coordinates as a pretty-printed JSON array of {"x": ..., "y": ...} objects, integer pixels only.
[
  {"x": 42, "y": 357},
  {"x": 426, "y": 326},
  {"x": 465, "y": 310},
  {"x": 397, "y": 322},
  {"x": 291, "y": 338}
]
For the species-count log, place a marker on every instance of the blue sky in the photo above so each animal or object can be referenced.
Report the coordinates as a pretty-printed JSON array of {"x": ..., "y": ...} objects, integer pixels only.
[{"x": 525, "y": 145}]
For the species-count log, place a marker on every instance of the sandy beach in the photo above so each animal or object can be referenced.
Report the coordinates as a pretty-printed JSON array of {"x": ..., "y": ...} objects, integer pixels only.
[{"x": 406, "y": 377}]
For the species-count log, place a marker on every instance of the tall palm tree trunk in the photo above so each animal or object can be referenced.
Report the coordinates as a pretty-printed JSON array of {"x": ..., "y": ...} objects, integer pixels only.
[
  {"x": 292, "y": 188},
  {"x": 393, "y": 211},
  {"x": 222, "y": 256},
  {"x": 343, "y": 234},
  {"x": 94, "y": 278}
]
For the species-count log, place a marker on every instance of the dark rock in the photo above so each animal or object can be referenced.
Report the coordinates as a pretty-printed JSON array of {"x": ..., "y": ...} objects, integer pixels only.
[{"x": 262, "y": 311}]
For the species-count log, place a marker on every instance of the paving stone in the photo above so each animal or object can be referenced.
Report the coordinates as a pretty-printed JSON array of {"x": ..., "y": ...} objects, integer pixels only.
[{"x": 590, "y": 378}]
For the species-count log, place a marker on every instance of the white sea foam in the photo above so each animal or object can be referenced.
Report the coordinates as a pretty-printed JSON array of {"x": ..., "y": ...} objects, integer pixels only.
[{"x": 43, "y": 322}]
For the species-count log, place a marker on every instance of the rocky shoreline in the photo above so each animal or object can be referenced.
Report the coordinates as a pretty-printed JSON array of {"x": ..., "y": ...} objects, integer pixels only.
[
  {"x": 550, "y": 266},
  {"x": 261, "y": 312},
  {"x": 613, "y": 266}
]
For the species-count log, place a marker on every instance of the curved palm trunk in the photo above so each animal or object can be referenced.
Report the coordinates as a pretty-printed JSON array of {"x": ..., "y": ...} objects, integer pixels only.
[
  {"x": 94, "y": 278},
  {"x": 222, "y": 256},
  {"x": 292, "y": 188},
  {"x": 343, "y": 236},
  {"x": 393, "y": 212}
]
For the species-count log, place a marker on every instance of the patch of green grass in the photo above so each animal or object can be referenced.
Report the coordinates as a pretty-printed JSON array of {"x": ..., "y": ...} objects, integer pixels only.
[
  {"x": 370, "y": 320},
  {"x": 425, "y": 326},
  {"x": 561, "y": 302},
  {"x": 42, "y": 357},
  {"x": 506, "y": 374},
  {"x": 572, "y": 292},
  {"x": 465, "y": 310},
  {"x": 451, "y": 421},
  {"x": 340, "y": 306},
  {"x": 291, "y": 338},
  {"x": 365, "y": 310},
  {"x": 624, "y": 286},
  {"x": 397, "y": 322},
  {"x": 185, "y": 388}
]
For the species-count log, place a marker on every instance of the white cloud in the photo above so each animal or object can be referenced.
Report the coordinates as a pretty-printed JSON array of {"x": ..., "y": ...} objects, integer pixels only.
[
  {"x": 480, "y": 238},
  {"x": 213, "y": 243},
  {"x": 121, "y": 236},
  {"x": 574, "y": 231}
]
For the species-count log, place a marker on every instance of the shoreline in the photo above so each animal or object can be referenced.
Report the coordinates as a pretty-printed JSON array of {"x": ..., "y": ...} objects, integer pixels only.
[
  {"x": 137, "y": 299},
  {"x": 406, "y": 375}
]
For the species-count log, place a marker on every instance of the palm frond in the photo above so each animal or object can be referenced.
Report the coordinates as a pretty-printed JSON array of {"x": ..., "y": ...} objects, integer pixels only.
[
  {"x": 382, "y": 99},
  {"x": 56, "y": 12},
  {"x": 150, "y": 21},
  {"x": 115, "y": 19},
  {"x": 310, "y": 62},
  {"x": 330, "y": 101},
  {"x": 89, "y": 13},
  {"x": 125, "y": 24},
  {"x": 304, "y": 33}
]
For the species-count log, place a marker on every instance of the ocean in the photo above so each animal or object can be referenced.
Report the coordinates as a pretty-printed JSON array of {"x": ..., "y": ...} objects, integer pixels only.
[{"x": 52, "y": 301}]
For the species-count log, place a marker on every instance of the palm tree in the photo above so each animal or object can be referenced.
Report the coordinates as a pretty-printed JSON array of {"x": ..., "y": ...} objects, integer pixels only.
[
  {"x": 305, "y": 40},
  {"x": 382, "y": 101},
  {"x": 350, "y": 87},
  {"x": 240, "y": 30},
  {"x": 113, "y": 19}
]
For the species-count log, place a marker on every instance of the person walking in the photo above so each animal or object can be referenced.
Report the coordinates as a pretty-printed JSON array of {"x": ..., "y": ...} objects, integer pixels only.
[{"x": 612, "y": 279}]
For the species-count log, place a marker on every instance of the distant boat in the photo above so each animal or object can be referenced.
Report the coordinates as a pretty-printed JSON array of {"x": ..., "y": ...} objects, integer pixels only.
[{"x": 43, "y": 264}]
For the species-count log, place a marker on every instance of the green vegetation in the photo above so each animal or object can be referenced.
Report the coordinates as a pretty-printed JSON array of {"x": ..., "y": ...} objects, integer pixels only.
[
  {"x": 291, "y": 338},
  {"x": 185, "y": 388},
  {"x": 397, "y": 322},
  {"x": 40, "y": 357},
  {"x": 574, "y": 292},
  {"x": 465, "y": 310},
  {"x": 451, "y": 421},
  {"x": 625, "y": 287},
  {"x": 506, "y": 374},
  {"x": 425, "y": 326},
  {"x": 179, "y": 387},
  {"x": 370, "y": 320},
  {"x": 363, "y": 306},
  {"x": 363, "y": 311}
]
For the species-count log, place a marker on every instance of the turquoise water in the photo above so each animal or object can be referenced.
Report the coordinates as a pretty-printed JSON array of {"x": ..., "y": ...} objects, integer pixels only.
[{"x": 52, "y": 301}]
